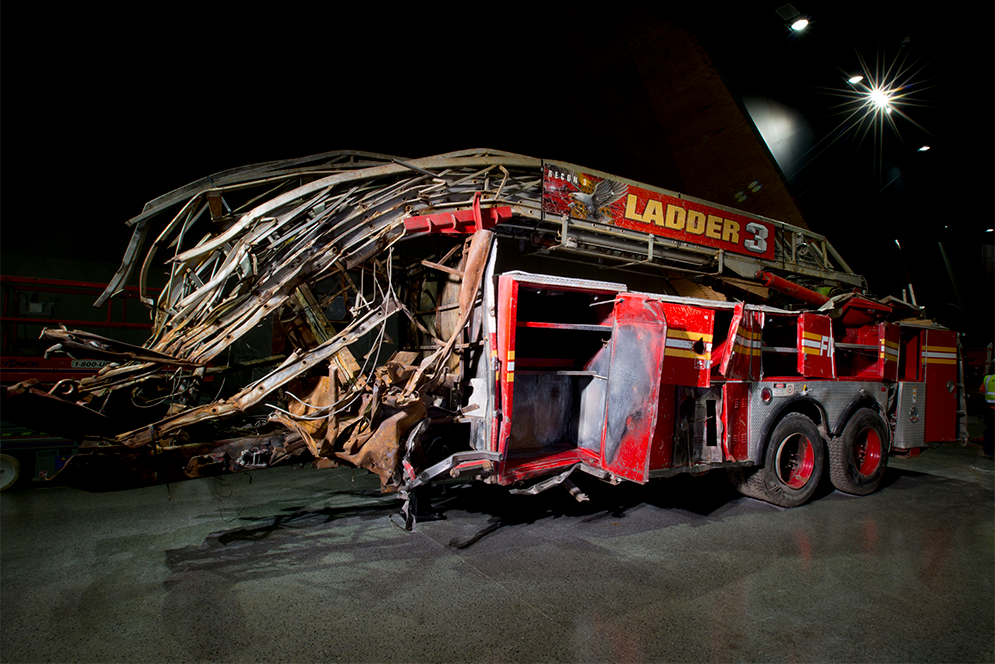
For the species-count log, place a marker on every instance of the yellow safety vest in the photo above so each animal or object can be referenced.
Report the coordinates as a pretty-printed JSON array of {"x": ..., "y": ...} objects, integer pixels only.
[{"x": 989, "y": 386}]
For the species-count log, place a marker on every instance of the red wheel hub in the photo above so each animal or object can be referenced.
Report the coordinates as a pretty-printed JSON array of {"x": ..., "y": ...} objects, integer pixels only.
[
  {"x": 867, "y": 452},
  {"x": 795, "y": 461}
]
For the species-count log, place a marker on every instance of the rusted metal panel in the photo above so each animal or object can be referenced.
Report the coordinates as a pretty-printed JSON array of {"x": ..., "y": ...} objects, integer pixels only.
[
  {"x": 61, "y": 415},
  {"x": 80, "y": 344}
]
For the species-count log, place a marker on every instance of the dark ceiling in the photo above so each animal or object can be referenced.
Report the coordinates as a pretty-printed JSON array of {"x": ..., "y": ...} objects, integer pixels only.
[{"x": 109, "y": 115}]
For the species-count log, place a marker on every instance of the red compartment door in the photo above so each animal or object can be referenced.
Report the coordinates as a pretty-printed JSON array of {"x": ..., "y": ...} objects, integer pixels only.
[
  {"x": 688, "y": 345},
  {"x": 815, "y": 346},
  {"x": 939, "y": 362},
  {"x": 740, "y": 357},
  {"x": 638, "y": 344}
]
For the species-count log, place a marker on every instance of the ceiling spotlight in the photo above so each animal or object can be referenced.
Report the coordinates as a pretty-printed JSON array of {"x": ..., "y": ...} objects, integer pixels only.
[
  {"x": 800, "y": 24},
  {"x": 853, "y": 80},
  {"x": 923, "y": 148}
]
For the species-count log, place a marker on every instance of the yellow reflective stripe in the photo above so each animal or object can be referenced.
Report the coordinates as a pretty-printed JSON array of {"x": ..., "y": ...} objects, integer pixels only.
[
  {"x": 989, "y": 385},
  {"x": 509, "y": 377},
  {"x": 746, "y": 350},
  {"x": 815, "y": 336},
  {"x": 890, "y": 353},
  {"x": 747, "y": 334},
  {"x": 811, "y": 351},
  {"x": 686, "y": 344},
  {"x": 511, "y": 354},
  {"x": 891, "y": 344},
  {"x": 684, "y": 334},
  {"x": 678, "y": 352}
]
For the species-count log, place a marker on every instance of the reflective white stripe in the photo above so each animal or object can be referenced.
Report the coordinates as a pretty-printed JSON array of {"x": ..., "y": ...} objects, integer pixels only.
[
  {"x": 824, "y": 343},
  {"x": 889, "y": 353},
  {"x": 687, "y": 344}
]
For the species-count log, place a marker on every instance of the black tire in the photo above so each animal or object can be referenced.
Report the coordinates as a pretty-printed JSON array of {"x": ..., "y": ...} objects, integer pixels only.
[
  {"x": 858, "y": 458},
  {"x": 793, "y": 464},
  {"x": 10, "y": 471}
]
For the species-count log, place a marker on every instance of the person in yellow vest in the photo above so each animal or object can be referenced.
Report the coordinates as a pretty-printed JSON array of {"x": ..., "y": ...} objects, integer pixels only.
[{"x": 988, "y": 387}]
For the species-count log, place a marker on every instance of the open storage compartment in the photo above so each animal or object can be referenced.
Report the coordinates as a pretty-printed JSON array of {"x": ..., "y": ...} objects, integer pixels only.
[{"x": 556, "y": 347}]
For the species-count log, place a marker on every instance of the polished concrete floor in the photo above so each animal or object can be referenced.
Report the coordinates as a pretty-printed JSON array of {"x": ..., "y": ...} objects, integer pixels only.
[{"x": 302, "y": 565}]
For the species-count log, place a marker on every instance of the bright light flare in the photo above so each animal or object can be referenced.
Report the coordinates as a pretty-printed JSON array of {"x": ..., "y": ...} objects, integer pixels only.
[
  {"x": 800, "y": 24},
  {"x": 873, "y": 102},
  {"x": 880, "y": 98}
]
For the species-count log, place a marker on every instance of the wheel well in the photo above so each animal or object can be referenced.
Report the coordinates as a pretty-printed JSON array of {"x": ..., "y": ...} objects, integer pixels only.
[
  {"x": 865, "y": 401},
  {"x": 807, "y": 407}
]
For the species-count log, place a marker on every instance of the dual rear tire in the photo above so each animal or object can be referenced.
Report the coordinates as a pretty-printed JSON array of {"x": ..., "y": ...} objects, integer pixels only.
[{"x": 796, "y": 456}]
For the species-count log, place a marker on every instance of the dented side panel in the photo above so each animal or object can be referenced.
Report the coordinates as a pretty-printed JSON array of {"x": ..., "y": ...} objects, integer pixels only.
[
  {"x": 740, "y": 356},
  {"x": 638, "y": 347},
  {"x": 507, "y": 315}
]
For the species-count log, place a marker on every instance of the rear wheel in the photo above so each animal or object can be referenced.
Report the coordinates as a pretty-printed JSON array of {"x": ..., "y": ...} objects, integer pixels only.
[
  {"x": 858, "y": 458},
  {"x": 10, "y": 471},
  {"x": 792, "y": 464}
]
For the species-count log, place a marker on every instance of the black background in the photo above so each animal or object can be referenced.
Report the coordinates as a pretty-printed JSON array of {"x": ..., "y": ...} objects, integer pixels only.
[{"x": 105, "y": 109}]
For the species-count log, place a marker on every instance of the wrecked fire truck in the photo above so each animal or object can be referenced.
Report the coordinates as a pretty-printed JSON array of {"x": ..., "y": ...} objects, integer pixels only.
[{"x": 486, "y": 315}]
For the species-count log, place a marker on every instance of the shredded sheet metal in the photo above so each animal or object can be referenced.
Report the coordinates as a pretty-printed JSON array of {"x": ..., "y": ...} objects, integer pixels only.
[{"x": 338, "y": 254}]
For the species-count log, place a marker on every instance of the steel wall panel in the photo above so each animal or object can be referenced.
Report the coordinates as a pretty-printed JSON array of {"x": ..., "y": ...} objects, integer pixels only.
[{"x": 910, "y": 421}]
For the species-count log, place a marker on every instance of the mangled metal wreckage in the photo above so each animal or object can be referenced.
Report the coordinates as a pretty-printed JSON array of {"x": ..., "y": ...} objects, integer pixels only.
[{"x": 481, "y": 314}]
